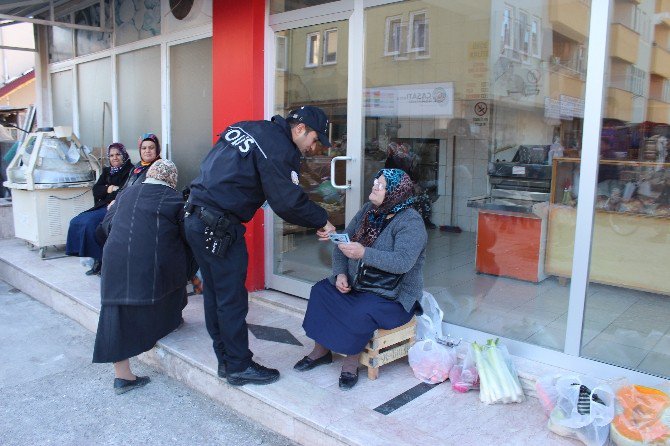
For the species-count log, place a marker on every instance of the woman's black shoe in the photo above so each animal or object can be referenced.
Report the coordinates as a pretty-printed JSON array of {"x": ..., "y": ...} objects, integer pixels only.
[
  {"x": 124, "y": 385},
  {"x": 348, "y": 380},
  {"x": 308, "y": 363},
  {"x": 97, "y": 266}
]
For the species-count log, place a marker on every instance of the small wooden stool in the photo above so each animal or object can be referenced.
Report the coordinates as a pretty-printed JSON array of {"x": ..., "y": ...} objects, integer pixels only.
[{"x": 386, "y": 346}]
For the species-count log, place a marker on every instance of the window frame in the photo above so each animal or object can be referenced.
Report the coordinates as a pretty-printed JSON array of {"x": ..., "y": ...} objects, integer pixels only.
[
  {"x": 312, "y": 48},
  {"x": 411, "y": 48},
  {"x": 324, "y": 56},
  {"x": 523, "y": 34},
  {"x": 509, "y": 44},
  {"x": 388, "y": 35},
  {"x": 535, "y": 20},
  {"x": 284, "y": 56}
]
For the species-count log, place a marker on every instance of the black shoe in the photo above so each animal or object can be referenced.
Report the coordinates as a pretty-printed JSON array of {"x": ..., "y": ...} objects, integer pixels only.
[
  {"x": 124, "y": 385},
  {"x": 95, "y": 269},
  {"x": 308, "y": 363},
  {"x": 254, "y": 374},
  {"x": 348, "y": 380},
  {"x": 221, "y": 371}
]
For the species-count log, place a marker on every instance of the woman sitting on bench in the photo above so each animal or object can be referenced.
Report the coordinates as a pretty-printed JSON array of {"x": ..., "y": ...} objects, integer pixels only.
[{"x": 344, "y": 310}]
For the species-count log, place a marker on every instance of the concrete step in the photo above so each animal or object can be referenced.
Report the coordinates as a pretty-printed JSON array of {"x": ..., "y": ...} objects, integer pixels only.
[{"x": 306, "y": 407}]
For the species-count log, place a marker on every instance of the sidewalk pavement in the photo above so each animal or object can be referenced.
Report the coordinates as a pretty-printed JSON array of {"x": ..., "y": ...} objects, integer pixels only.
[
  {"x": 53, "y": 394},
  {"x": 307, "y": 407}
]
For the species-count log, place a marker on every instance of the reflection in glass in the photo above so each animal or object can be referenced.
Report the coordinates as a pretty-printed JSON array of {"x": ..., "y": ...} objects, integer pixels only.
[
  {"x": 473, "y": 101},
  {"x": 92, "y": 41},
  {"x": 627, "y": 317},
  {"x": 139, "y": 96},
  {"x": 61, "y": 46},
  {"x": 277, "y": 6},
  {"x": 190, "y": 87},
  {"x": 308, "y": 75},
  {"x": 61, "y": 94},
  {"x": 95, "y": 105},
  {"x": 136, "y": 20}
]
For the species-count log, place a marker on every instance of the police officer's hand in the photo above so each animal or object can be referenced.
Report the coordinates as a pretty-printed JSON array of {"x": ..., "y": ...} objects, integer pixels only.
[
  {"x": 353, "y": 250},
  {"x": 323, "y": 232},
  {"x": 342, "y": 283}
]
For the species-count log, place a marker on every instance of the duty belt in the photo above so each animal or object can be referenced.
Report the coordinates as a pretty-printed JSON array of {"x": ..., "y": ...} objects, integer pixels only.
[{"x": 210, "y": 217}]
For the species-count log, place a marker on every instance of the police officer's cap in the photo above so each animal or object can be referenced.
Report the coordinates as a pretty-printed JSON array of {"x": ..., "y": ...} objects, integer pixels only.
[{"x": 313, "y": 117}]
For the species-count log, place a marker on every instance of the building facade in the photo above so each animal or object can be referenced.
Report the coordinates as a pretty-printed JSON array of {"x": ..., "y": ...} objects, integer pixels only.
[{"x": 538, "y": 129}]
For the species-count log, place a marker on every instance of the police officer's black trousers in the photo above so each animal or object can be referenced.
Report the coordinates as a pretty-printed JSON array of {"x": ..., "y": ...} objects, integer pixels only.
[{"x": 224, "y": 294}]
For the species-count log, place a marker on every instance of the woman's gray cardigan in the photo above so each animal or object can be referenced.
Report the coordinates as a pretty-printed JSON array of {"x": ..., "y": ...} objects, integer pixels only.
[{"x": 400, "y": 248}]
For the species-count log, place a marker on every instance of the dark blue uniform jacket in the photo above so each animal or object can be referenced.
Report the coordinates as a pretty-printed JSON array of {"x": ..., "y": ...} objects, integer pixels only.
[{"x": 254, "y": 161}]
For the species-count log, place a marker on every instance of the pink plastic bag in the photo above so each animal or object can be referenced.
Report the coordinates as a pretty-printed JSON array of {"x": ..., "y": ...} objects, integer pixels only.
[
  {"x": 430, "y": 361},
  {"x": 464, "y": 376}
]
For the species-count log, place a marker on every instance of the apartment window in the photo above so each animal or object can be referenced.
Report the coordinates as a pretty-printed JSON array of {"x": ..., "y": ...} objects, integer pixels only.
[
  {"x": 418, "y": 26},
  {"x": 312, "y": 52},
  {"x": 523, "y": 33},
  {"x": 281, "y": 53},
  {"x": 535, "y": 27},
  {"x": 506, "y": 31},
  {"x": 330, "y": 46},
  {"x": 393, "y": 36},
  {"x": 665, "y": 94},
  {"x": 636, "y": 78}
]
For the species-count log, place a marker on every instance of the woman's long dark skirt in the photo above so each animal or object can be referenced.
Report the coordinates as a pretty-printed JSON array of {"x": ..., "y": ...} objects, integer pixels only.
[
  {"x": 344, "y": 323},
  {"x": 125, "y": 331},
  {"x": 81, "y": 239}
]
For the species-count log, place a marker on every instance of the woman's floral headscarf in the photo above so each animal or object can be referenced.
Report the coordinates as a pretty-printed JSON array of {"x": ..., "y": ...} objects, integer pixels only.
[
  {"x": 165, "y": 171},
  {"x": 399, "y": 195},
  {"x": 124, "y": 155}
]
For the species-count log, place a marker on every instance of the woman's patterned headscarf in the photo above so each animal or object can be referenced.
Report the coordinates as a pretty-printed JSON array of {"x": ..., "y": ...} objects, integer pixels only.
[
  {"x": 164, "y": 170},
  {"x": 124, "y": 155},
  {"x": 399, "y": 195}
]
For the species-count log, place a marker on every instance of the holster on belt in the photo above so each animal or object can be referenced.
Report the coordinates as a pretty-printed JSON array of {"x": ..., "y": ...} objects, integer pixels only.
[{"x": 218, "y": 234}]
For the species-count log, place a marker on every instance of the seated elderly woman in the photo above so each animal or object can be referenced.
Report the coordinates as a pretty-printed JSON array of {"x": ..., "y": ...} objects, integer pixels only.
[
  {"x": 389, "y": 235},
  {"x": 81, "y": 239},
  {"x": 146, "y": 265}
]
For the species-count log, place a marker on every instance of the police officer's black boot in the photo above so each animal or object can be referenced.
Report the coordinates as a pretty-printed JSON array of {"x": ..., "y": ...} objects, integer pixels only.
[{"x": 254, "y": 374}]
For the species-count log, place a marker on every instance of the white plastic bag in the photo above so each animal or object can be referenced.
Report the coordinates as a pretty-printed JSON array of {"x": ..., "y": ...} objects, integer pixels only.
[
  {"x": 430, "y": 361},
  {"x": 589, "y": 421},
  {"x": 429, "y": 324}
]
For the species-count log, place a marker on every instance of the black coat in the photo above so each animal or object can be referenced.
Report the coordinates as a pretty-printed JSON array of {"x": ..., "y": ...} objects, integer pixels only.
[
  {"x": 100, "y": 194},
  {"x": 254, "y": 161},
  {"x": 146, "y": 256}
]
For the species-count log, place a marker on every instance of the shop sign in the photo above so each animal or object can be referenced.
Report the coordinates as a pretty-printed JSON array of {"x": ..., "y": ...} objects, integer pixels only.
[
  {"x": 571, "y": 107},
  {"x": 552, "y": 108},
  {"x": 436, "y": 99}
]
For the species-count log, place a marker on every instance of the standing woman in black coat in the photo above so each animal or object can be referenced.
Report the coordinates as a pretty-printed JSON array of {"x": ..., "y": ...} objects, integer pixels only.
[
  {"x": 146, "y": 265},
  {"x": 81, "y": 239}
]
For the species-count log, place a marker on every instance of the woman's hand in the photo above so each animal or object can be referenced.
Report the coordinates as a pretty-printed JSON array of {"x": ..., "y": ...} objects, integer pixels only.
[
  {"x": 111, "y": 188},
  {"x": 110, "y": 204},
  {"x": 352, "y": 250},
  {"x": 342, "y": 284}
]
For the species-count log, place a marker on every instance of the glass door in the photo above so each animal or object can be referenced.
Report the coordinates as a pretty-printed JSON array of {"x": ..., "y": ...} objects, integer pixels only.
[{"x": 311, "y": 68}]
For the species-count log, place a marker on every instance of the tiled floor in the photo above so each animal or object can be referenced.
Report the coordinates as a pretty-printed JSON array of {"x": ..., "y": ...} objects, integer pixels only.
[{"x": 624, "y": 327}]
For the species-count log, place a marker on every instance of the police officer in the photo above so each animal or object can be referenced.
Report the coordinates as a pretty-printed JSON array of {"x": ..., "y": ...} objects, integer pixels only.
[{"x": 253, "y": 161}]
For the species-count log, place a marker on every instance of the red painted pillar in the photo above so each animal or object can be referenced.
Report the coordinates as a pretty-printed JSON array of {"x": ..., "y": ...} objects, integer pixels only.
[{"x": 238, "y": 86}]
